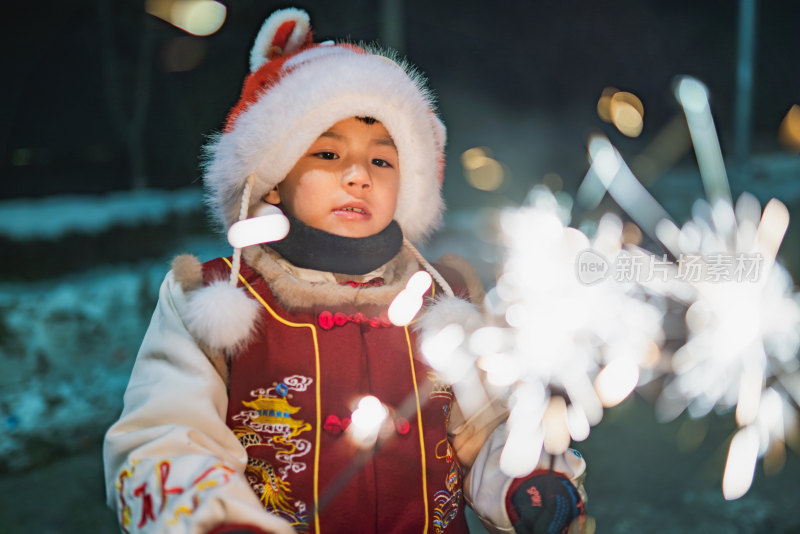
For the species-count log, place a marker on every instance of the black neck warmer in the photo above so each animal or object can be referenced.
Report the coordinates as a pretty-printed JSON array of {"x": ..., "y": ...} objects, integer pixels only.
[{"x": 311, "y": 248}]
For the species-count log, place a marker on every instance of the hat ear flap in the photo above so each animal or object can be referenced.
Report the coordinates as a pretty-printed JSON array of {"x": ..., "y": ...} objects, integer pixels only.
[{"x": 283, "y": 33}]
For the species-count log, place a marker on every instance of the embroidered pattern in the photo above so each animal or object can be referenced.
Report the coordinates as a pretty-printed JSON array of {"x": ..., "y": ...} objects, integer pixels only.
[
  {"x": 141, "y": 501},
  {"x": 447, "y": 500},
  {"x": 269, "y": 421}
]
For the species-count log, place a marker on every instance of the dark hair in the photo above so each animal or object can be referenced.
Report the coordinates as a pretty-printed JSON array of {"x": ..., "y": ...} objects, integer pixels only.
[{"x": 368, "y": 120}]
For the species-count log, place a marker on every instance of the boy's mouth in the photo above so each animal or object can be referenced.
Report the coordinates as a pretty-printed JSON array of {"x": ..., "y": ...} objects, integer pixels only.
[
  {"x": 350, "y": 208},
  {"x": 348, "y": 211}
]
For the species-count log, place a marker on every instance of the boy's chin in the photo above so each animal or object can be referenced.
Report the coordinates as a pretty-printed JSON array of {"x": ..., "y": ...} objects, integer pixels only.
[
  {"x": 354, "y": 233},
  {"x": 356, "y": 230}
]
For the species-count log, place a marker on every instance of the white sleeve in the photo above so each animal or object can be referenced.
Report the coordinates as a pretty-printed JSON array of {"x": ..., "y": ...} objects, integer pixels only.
[
  {"x": 171, "y": 462},
  {"x": 486, "y": 485}
]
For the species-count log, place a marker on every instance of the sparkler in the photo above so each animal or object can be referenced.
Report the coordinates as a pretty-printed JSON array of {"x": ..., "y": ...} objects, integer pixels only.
[
  {"x": 571, "y": 327},
  {"x": 547, "y": 335}
]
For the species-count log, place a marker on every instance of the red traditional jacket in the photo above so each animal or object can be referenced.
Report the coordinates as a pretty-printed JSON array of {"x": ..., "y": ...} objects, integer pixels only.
[{"x": 292, "y": 391}]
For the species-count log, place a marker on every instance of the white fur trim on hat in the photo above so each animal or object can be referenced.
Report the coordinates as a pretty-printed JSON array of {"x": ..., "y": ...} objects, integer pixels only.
[
  {"x": 319, "y": 87},
  {"x": 260, "y": 51},
  {"x": 221, "y": 316}
]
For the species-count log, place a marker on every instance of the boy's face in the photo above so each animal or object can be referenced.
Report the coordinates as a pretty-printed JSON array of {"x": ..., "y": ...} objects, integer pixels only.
[{"x": 347, "y": 181}]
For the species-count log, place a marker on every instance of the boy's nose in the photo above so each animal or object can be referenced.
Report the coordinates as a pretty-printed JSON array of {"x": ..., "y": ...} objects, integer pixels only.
[{"x": 357, "y": 177}]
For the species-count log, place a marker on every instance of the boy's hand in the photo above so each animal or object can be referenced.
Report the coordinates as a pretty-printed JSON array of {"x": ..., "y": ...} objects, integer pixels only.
[{"x": 545, "y": 502}]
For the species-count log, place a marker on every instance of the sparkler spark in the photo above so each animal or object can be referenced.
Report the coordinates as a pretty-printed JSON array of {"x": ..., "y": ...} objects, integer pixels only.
[
  {"x": 546, "y": 334},
  {"x": 366, "y": 421},
  {"x": 573, "y": 326},
  {"x": 269, "y": 225},
  {"x": 408, "y": 302}
]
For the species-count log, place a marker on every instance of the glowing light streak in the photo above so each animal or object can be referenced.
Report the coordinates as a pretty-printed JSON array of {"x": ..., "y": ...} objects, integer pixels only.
[
  {"x": 564, "y": 334},
  {"x": 577, "y": 423},
  {"x": 554, "y": 423},
  {"x": 741, "y": 463},
  {"x": 408, "y": 302},
  {"x": 750, "y": 386},
  {"x": 366, "y": 421},
  {"x": 616, "y": 381},
  {"x": 197, "y": 17},
  {"x": 525, "y": 439},
  {"x": 693, "y": 96},
  {"x": 622, "y": 185},
  {"x": 270, "y": 225}
]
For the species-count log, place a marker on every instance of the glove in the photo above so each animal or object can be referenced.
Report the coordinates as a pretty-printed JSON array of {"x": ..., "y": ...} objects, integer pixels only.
[{"x": 544, "y": 502}]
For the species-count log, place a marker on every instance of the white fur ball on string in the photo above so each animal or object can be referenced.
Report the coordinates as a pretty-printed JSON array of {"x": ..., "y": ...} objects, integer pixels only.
[{"x": 221, "y": 316}]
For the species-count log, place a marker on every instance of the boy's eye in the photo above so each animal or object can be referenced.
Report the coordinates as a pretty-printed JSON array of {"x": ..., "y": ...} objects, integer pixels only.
[
  {"x": 381, "y": 163},
  {"x": 326, "y": 155}
]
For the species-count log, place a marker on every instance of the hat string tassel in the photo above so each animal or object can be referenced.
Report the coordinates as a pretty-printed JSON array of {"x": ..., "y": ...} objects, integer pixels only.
[
  {"x": 428, "y": 267},
  {"x": 243, "y": 209}
]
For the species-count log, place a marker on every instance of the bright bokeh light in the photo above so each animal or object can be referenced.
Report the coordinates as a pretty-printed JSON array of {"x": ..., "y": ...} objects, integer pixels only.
[
  {"x": 692, "y": 94},
  {"x": 408, "y": 302},
  {"x": 419, "y": 283},
  {"x": 605, "y": 160},
  {"x": 789, "y": 131},
  {"x": 627, "y": 113},
  {"x": 577, "y": 423},
  {"x": 404, "y": 308},
  {"x": 501, "y": 369},
  {"x": 622, "y": 109},
  {"x": 197, "y": 17},
  {"x": 481, "y": 170},
  {"x": 750, "y": 387},
  {"x": 604, "y": 103},
  {"x": 555, "y": 424},
  {"x": 270, "y": 225},
  {"x": 367, "y": 420},
  {"x": 741, "y": 463},
  {"x": 616, "y": 381},
  {"x": 525, "y": 439}
]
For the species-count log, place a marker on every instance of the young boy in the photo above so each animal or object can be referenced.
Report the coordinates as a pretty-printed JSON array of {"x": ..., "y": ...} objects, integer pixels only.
[{"x": 237, "y": 417}]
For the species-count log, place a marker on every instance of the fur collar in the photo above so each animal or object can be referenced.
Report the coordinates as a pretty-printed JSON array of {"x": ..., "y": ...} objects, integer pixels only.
[{"x": 294, "y": 293}]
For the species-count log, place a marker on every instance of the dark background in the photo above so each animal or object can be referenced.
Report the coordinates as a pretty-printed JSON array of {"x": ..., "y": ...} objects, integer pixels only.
[
  {"x": 69, "y": 67},
  {"x": 97, "y": 97}
]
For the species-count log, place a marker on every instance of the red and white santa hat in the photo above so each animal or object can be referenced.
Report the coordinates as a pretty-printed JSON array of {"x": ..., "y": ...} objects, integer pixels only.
[{"x": 296, "y": 90}]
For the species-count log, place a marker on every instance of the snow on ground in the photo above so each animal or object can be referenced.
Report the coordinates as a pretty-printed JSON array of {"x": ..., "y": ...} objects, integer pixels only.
[
  {"x": 52, "y": 217},
  {"x": 67, "y": 346}
]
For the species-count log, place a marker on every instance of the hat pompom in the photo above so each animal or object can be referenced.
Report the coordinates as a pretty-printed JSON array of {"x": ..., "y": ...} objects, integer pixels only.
[
  {"x": 283, "y": 33},
  {"x": 221, "y": 316}
]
